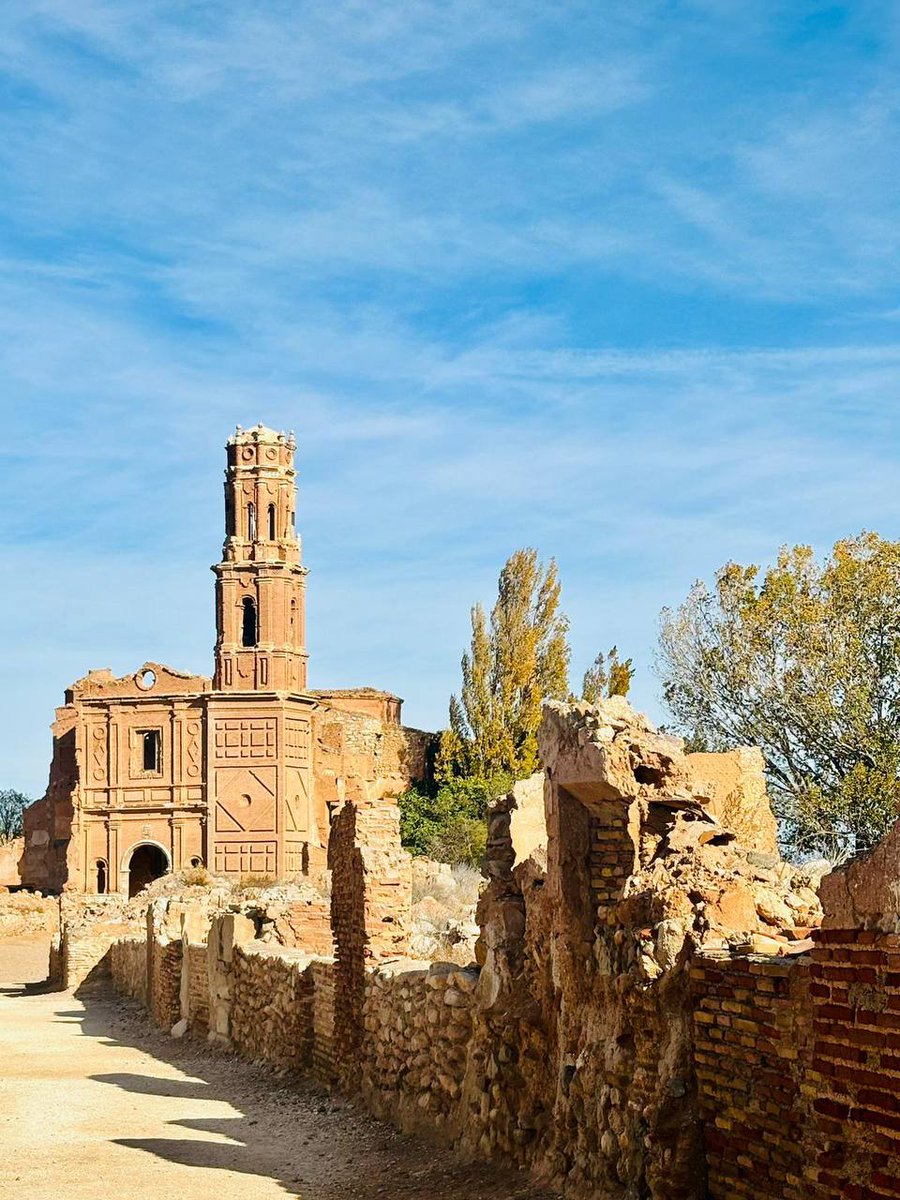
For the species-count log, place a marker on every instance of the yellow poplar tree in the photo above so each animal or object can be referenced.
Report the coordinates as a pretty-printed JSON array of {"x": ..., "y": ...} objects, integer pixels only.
[
  {"x": 608, "y": 675},
  {"x": 515, "y": 661}
]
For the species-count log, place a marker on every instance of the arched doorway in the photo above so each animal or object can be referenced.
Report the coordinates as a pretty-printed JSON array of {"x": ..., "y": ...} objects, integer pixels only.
[{"x": 147, "y": 862}]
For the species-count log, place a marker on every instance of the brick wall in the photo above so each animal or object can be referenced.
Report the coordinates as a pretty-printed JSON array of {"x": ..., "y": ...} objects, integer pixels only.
[
  {"x": 854, "y": 1076},
  {"x": 88, "y": 927},
  {"x": 195, "y": 986},
  {"x": 324, "y": 1063},
  {"x": 370, "y": 910},
  {"x": 751, "y": 1033},
  {"x": 164, "y": 962}
]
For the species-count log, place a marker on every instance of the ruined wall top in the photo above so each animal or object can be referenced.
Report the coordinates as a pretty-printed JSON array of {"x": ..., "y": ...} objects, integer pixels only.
[
  {"x": 865, "y": 892},
  {"x": 151, "y": 680},
  {"x": 608, "y": 751}
]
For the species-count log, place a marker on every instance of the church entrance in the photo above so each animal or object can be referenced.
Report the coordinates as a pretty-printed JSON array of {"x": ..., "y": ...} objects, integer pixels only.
[{"x": 147, "y": 863}]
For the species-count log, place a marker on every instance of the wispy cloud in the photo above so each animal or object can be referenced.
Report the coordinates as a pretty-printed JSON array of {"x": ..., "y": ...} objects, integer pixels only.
[{"x": 615, "y": 282}]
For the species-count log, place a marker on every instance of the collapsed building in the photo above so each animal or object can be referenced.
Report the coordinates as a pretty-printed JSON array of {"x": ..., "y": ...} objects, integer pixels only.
[
  {"x": 659, "y": 1007},
  {"x": 160, "y": 770}
]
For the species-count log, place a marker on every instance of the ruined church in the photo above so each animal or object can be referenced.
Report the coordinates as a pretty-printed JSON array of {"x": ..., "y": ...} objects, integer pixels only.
[{"x": 161, "y": 770}]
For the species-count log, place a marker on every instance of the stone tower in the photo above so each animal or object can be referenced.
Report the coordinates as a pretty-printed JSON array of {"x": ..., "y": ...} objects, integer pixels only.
[{"x": 260, "y": 582}]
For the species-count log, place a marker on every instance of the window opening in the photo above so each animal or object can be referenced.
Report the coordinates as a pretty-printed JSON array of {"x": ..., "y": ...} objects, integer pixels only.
[
  {"x": 249, "y": 631},
  {"x": 151, "y": 750},
  {"x": 271, "y": 522},
  {"x": 101, "y": 877},
  {"x": 251, "y": 522}
]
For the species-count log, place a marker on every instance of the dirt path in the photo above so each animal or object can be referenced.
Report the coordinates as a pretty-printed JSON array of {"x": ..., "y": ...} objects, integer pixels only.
[{"x": 95, "y": 1102}]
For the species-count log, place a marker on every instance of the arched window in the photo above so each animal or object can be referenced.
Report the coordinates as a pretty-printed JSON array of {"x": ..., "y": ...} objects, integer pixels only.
[
  {"x": 248, "y": 625},
  {"x": 271, "y": 522},
  {"x": 293, "y": 619},
  {"x": 101, "y": 877},
  {"x": 251, "y": 522}
]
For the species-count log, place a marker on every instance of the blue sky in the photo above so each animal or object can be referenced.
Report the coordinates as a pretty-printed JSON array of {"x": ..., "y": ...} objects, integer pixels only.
[{"x": 619, "y": 281}]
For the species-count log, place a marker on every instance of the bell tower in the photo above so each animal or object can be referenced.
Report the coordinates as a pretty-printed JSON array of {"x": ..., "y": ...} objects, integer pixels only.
[{"x": 260, "y": 582}]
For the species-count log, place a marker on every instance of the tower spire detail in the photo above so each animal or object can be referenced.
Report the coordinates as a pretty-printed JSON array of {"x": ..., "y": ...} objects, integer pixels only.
[{"x": 260, "y": 582}]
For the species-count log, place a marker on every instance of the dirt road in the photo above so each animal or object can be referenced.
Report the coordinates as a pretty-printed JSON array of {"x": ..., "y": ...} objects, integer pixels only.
[{"x": 96, "y": 1103}]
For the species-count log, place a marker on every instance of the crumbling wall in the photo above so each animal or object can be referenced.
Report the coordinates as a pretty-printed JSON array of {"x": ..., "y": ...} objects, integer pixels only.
[
  {"x": 323, "y": 974},
  {"x": 272, "y": 1005},
  {"x": 655, "y": 1012},
  {"x": 370, "y": 906},
  {"x": 48, "y": 821},
  {"x": 88, "y": 927},
  {"x": 301, "y": 920},
  {"x": 194, "y": 993},
  {"x": 362, "y": 752},
  {"x": 11, "y": 853},
  {"x": 28, "y": 915},
  {"x": 732, "y": 786},
  {"x": 164, "y": 960},
  {"x": 418, "y": 1022},
  {"x": 128, "y": 967}
]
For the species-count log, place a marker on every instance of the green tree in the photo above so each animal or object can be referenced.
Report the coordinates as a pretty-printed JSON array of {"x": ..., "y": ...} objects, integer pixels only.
[
  {"x": 12, "y": 808},
  {"x": 515, "y": 661},
  {"x": 804, "y": 661},
  {"x": 448, "y": 822},
  {"x": 608, "y": 675}
]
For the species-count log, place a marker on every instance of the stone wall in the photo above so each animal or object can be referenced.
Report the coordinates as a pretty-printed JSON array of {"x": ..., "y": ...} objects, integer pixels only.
[
  {"x": 128, "y": 966},
  {"x": 272, "y": 1006},
  {"x": 418, "y": 1023}
]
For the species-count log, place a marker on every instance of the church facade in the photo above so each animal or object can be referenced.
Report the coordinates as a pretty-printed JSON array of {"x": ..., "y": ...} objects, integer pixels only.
[{"x": 160, "y": 770}]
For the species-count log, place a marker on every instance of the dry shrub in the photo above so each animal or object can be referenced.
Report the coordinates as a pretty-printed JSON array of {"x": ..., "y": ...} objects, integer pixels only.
[{"x": 196, "y": 877}]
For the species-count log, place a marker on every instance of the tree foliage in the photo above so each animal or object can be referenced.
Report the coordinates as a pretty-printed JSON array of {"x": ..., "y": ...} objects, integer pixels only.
[
  {"x": 448, "y": 822},
  {"x": 803, "y": 660},
  {"x": 516, "y": 660},
  {"x": 12, "y": 808},
  {"x": 608, "y": 675}
]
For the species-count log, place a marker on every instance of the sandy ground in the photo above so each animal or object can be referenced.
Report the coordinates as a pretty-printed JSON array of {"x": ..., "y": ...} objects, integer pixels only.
[{"x": 94, "y": 1103}]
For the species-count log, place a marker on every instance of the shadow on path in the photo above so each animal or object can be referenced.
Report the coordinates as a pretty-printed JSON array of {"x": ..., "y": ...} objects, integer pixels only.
[{"x": 288, "y": 1131}]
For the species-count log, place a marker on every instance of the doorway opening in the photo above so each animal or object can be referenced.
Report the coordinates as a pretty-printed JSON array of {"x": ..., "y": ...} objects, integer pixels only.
[{"x": 147, "y": 863}]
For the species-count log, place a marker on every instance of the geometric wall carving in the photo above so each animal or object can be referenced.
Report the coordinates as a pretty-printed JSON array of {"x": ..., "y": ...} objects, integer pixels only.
[
  {"x": 296, "y": 740},
  {"x": 245, "y": 800},
  {"x": 243, "y": 738},
  {"x": 296, "y": 801},
  {"x": 245, "y": 858}
]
